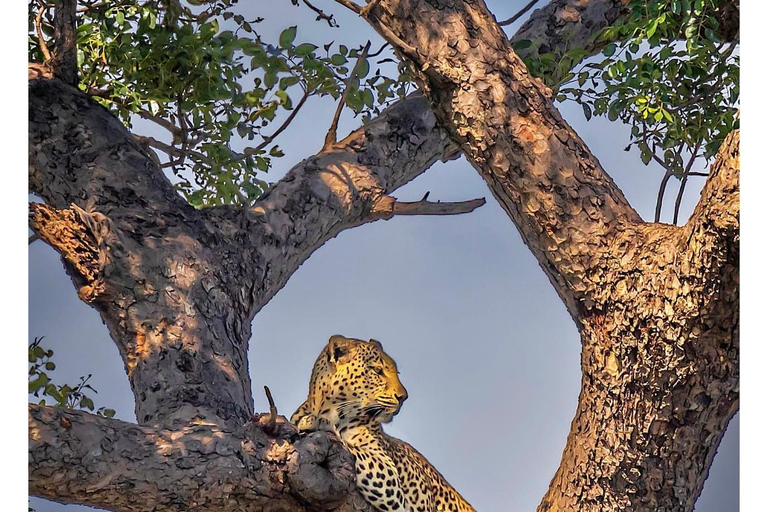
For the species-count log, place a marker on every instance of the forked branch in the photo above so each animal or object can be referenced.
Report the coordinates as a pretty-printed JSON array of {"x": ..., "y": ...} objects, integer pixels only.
[{"x": 330, "y": 137}]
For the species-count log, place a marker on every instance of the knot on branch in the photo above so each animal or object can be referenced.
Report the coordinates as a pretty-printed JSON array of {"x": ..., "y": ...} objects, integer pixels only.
[
  {"x": 318, "y": 470},
  {"x": 321, "y": 473}
]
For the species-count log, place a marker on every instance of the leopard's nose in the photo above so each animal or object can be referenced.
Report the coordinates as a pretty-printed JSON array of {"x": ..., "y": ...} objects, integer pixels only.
[{"x": 401, "y": 397}]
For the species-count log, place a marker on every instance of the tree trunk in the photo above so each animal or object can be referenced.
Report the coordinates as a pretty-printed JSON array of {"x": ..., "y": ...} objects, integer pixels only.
[{"x": 657, "y": 306}]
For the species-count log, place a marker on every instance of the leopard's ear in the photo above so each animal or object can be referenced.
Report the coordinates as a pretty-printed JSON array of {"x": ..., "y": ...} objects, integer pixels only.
[
  {"x": 340, "y": 349},
  {"x": 377, "y": 343}
]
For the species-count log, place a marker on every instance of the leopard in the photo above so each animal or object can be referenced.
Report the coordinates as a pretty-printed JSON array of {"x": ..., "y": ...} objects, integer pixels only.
[{"x": 354, "y": 389}]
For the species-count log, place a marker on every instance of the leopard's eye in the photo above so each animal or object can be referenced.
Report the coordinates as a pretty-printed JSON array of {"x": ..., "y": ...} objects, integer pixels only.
[{"x": 378, "y": 370}]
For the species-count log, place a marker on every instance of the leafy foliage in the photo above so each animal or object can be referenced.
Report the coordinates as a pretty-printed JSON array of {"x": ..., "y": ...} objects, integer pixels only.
[
  {"x": 665, "y": 71},
  {"x": 202, "y": 72},
  {"x": 40, "y": 384}
]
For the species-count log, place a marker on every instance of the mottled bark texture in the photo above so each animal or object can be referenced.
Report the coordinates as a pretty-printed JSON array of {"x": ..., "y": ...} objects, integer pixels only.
[
  {"x": 656, "y": 305},
  {"x": 123, "y": 466},
  {"x": 179, "y": 287}
]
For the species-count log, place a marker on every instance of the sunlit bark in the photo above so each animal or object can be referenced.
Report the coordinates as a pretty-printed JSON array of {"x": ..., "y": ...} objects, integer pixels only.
[
  {"x": 179, "y": 287},
  {"x": 656, "y": 305}
]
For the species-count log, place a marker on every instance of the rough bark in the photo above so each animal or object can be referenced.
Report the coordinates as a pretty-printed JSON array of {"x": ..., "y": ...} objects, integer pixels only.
[
  {"x": 178, "y": 287},
  {"x": 63, "y": 63},
  {"x": 659, "y": 360},
  {"x": 656, "y": 305},
  {"x": 123, "y": 466},
  {"x": 537, "y": 167}
]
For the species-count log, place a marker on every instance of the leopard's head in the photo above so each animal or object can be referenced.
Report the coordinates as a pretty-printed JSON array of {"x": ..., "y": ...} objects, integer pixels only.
[{"x": 355, "y": 382}]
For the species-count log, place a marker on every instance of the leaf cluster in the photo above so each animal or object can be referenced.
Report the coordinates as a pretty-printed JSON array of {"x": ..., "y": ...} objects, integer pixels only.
[
  {"x": 66, "y": 396},
  {"x": 665, "y": 71},
  {"x": 202, "y": 73}
]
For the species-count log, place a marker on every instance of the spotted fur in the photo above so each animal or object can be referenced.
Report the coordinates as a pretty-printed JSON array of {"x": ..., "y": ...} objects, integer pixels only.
[{"x": 355, "y": 388}]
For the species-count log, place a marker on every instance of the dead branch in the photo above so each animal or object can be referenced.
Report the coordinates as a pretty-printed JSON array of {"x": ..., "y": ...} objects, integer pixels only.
[
  {"x": 387, "y": 207},
  {"x": 321, "y": 15}
]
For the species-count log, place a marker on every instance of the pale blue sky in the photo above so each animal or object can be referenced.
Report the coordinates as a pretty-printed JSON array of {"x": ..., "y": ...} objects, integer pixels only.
[{"x": 485, "y": 347}]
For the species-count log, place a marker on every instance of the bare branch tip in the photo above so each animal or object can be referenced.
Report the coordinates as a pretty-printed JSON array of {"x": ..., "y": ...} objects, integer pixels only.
[{"x": 518, "y": 14}]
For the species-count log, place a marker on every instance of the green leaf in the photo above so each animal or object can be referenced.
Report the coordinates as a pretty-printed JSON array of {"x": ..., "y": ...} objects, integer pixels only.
[
  {"x": 86, "y": 403},
  {"x": 363, "y": 69},
  {"x": 338, "y": 59},
  {"x": 304, "y": 49},
  {"x": 288, "y": 81},
  {"x": 287, "y": 36},
  {"x": 38, "y": 383},
  {"x": 522, "y": 44},
  {"x": 587, "y": 111},
  {"x": 367, "y": 97},
  {"x": 652, "y": 28},
  {"x": 285, "y": 100},
  {"x": 609, "y": 49}
]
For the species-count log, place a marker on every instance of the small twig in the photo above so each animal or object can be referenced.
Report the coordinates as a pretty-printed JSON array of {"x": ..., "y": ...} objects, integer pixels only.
[
  {"x": 684, "y": 181},
  {"x": 286, "y": 123},
  {"x": 519, "y": 13},
  {"x": 39, "y": 27},
  {"x": 272, "y": 411},
  {"x": 321, "y": 15},
  {"x": 171, "y": 150},
  {"x": 160, "y": 122},
  {"x": 330, "y": 137},
  {"x": 378, "y": 52}
]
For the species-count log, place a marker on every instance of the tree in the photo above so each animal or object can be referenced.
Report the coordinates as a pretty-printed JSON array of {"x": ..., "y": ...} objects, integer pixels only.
[{"x": 656, "y": 305}]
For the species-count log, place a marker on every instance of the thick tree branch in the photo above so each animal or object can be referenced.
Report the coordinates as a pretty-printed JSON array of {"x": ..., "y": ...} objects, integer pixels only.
[
  {"x": 80, "y": 154},
  {"x": 717, "y": 211},
  {"x": 336, "y": 190},
  {"x": 660, "y": 359},
  {"x": 541, "y": 172},
  {"x": 245, "y": 469}
]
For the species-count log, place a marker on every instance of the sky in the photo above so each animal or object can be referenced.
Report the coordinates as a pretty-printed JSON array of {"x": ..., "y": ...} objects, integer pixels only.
[{"x": 486, "y": 349}]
